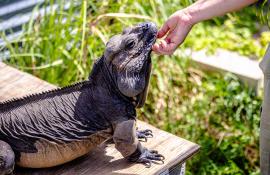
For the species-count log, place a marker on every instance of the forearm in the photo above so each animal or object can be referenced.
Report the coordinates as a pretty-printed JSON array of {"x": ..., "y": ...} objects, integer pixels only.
[{"x": 207, "y": 9}]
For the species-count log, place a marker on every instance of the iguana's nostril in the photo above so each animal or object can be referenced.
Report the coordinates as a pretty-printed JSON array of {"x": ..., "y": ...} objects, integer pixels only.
[
  {"x": 149, "y": 26},
  {"x": 146, "y": 26}
]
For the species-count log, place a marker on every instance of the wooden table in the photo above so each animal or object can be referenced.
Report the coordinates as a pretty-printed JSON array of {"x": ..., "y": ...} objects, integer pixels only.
[{"x": 104, "y": 159}]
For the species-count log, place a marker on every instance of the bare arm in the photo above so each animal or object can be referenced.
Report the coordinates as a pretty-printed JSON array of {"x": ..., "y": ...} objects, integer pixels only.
[
  {"x": 179, "y": 24},
  {"x": 207, "y": 9}
]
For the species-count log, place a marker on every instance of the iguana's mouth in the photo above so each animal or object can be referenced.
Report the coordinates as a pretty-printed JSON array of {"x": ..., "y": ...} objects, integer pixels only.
[{"x": 151, "y": 35}]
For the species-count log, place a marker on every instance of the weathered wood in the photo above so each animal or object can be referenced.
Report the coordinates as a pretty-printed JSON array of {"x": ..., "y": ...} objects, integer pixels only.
[{"x": 105, "y": 159}]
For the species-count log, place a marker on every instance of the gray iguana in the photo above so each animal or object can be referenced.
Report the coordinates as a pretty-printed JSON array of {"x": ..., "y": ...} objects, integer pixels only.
[{"x": 51, "y": 128}]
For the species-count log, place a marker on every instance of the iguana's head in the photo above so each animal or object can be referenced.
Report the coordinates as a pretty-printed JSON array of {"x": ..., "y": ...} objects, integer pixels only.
[{"x": 128, "y": 56}]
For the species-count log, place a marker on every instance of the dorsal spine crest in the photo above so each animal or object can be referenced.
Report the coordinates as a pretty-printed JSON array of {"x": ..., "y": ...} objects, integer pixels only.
[{"x": 36, "y": 96}]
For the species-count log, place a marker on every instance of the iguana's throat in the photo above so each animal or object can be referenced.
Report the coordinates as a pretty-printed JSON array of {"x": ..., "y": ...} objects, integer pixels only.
[{"x": 110, "y": 80}]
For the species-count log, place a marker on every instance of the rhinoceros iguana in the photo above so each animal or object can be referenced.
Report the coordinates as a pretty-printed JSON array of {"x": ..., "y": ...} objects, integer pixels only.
[{"x": 51, "y": 128}]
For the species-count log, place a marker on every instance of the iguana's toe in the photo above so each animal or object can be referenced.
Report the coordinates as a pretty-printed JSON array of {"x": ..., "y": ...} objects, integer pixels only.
[
  {"x": 150, "y": 156},
  {"x": 144, "y": 134}
]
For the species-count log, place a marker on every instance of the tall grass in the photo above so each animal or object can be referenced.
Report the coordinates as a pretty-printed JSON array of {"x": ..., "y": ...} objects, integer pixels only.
[{"x": 213, "y": 110}]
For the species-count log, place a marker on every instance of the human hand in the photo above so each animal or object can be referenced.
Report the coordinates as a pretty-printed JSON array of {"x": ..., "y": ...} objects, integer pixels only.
[{"x": 176, "y": 28}]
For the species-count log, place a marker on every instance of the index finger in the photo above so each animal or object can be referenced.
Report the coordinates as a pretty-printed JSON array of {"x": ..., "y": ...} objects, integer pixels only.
[{"x": 163, "y": 30}]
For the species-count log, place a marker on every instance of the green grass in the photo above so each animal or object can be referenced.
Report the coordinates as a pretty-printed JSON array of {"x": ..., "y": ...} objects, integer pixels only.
[{"x": 213, "y": 110}]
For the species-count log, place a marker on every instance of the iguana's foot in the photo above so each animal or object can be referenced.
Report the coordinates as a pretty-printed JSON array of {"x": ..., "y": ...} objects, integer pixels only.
[
  {"x": 151, "y": 156},
  {"x": 144, "y": 134},
  {"x": 147, "y": 157}
]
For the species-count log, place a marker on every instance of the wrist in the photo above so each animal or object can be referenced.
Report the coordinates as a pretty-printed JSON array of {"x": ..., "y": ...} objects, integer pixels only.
[
  {"x": 184, "y": 18},
  {"x": 191, "y": 15}
]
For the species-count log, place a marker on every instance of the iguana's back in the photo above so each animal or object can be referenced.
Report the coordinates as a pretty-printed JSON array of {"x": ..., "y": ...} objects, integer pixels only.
[{"x": 52, "y": 127}]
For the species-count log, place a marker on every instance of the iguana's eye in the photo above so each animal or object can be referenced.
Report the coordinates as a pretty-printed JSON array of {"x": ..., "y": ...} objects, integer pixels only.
[{"x": 130, "y": 44}]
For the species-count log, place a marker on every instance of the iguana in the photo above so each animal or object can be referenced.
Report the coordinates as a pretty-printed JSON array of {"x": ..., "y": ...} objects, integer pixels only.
[{"x": 54, "y": 127}]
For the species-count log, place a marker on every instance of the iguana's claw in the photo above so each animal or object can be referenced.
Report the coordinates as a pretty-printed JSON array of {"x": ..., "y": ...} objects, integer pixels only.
[
  {"x": 144, "y": 134},
  {"x": 150, "y": 156}
]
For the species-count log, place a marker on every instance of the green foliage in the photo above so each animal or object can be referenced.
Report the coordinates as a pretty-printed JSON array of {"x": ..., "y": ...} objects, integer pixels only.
[
  {"x": 264, "y": 11},
  {"x": 213, "y": 110}
]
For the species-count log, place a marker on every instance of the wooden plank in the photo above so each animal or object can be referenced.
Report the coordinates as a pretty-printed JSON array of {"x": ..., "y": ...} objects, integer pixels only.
[
  {"x": 105, "y": 159},
  {"x": 14, "y": 83}
]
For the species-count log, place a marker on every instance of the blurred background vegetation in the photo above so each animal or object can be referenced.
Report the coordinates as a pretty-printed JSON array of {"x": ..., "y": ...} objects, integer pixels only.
[{"x": 216, "y": 111}]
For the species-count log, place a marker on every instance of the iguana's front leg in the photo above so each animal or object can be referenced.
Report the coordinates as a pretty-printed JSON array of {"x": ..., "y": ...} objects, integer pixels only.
[{"x": 127, "y": 144}]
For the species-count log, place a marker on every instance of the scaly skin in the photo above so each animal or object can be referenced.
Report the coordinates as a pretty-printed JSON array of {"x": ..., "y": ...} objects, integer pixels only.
[{"x": 55, "y": 127}]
